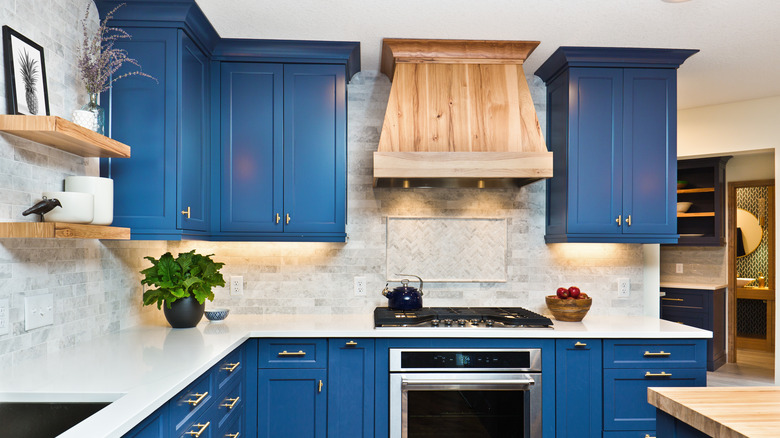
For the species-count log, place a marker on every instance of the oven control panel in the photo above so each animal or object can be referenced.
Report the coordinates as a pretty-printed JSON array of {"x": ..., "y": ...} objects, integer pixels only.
[{"x": 466, "y": 360}]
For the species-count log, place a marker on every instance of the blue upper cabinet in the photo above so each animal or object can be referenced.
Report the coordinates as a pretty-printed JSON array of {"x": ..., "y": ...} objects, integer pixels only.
[
  {"x": 315, "y": 153},
  {"x": 283, "y": 152},
  {"x": 161, "y": 191},
  {"x": 611, "y": 123},
  {"x": 239, "y": 140},
  {"x": 251, "y": 147}
]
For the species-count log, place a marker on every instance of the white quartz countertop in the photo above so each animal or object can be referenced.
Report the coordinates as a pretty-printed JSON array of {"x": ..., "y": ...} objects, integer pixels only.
[
  {"x": 700, "y": 286},
  {"x": 140, "y": 368}
]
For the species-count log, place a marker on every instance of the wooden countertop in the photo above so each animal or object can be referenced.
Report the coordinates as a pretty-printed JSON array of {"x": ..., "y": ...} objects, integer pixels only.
[{"x": 723, "y": 412}]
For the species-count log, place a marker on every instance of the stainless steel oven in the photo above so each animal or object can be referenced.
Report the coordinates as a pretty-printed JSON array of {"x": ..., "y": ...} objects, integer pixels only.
[{"x": 468, "y": 393}]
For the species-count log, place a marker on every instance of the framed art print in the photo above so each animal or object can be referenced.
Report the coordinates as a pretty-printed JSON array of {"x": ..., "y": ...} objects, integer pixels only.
[{"x": 25, "y": 75}]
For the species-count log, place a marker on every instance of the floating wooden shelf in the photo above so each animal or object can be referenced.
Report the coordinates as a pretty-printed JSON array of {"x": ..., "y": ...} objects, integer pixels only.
[
  {"x": 64, "y": 135},
  {"x": 702, "y": 214},
  {"x": 61, "y": 230},
  {"x": 701, "y": 190}
]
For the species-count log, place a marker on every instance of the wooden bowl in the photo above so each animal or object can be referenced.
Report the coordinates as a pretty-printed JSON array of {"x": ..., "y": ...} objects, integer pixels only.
[{"x": 571, "y": 310}]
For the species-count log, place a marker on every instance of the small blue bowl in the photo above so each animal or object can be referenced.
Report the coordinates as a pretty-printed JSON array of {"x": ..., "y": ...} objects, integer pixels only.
[{"x": 217, "y": 315}]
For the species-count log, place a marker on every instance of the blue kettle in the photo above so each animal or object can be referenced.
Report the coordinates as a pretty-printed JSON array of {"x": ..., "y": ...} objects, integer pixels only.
[{"x": 404, "y": 297}]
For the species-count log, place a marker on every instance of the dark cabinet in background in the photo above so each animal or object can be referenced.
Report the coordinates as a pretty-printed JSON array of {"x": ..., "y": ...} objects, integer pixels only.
[
  {"x": 704, "y": 222},
  {"x": 701, "y": 308},
  {"x": 612, "y": 128}
]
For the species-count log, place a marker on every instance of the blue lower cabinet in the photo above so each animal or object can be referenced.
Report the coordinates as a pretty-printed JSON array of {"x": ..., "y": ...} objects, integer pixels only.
[
  {"x": 292, "y": 403},
  {"x": 351, "y": 388},
  {"x": 625, "y": 394},
  {"x": 578, "y": 388},
  {"x": 671, "y": 427},
  {"x": 154, "y": 426}
]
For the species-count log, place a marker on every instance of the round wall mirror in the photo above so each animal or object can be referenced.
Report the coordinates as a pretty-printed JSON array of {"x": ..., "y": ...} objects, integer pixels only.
[{"x": 749, "y": 229}]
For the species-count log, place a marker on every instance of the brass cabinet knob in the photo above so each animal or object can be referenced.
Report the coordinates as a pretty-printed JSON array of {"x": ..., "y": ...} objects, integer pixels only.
[
  {"x": 628, "y": 220},
  {"x": 319, "y": 387},
  {"x": 278, "y": 218},
  {"x": 619, "y": 219},
  {"x": 287, "y": 219},
  {"x": 186, "y": 212}
]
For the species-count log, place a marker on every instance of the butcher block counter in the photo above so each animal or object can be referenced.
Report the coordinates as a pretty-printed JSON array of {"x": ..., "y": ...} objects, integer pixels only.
[{"x": 723, "y": 412}]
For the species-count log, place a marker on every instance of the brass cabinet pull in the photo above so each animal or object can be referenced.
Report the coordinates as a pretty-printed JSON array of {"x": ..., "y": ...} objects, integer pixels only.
[
  {"x": 199, "y": 398},
  {"x": 186, "y": 212},
  {"x": 647, "y": 435},
  {"x": 628, "y": 220},
  {"x": 292, "y": 353},
  {"x": 235, "y": 435},
  {"x": 580, "y": 344},
  {"x": 351, "y": 343},
  {"x": 200, "y": 431},
  {"x": 230, "y": 367},
  {"x": 319, "y": 387},
  {"x": 287, "y": 219},
  {"x": 658, "y": 354},
  {"x": 672, "y": 299},
  {"x": 232, "y": 403},
  {"x": 278, "y": 218},
  {"x": 620, "y": 216},
  {"x": 661, "y": 374}
]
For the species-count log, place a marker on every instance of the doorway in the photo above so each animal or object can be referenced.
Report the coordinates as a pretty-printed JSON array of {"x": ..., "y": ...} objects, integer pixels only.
[{"x": 752, "y": 282}]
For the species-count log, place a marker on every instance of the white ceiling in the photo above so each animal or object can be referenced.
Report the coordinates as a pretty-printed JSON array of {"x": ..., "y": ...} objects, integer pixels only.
[{"x": 739, "y": 39}]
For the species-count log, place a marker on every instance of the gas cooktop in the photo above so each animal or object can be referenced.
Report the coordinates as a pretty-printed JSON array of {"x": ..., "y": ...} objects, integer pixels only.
[{"x": 503, "y": 317}]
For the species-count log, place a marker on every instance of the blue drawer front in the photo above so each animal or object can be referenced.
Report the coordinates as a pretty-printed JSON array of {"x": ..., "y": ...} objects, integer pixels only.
[
  {"x": 293, "y": 353},
  {"x": 182, "y": 411},
  {"x": 625, "y": 394},
  {"x": 666, "y": 353}
]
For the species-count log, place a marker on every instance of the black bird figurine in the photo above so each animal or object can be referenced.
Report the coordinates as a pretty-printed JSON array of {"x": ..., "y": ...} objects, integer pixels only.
[{"x": 43, "y": 207}]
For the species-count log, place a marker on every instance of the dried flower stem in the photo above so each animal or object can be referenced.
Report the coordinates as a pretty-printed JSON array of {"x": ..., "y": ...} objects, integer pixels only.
[{"x": 99, "y": 59}]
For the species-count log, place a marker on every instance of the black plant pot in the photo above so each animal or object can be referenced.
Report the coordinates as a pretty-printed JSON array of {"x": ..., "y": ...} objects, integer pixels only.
[{"x": 184, "y": 312}]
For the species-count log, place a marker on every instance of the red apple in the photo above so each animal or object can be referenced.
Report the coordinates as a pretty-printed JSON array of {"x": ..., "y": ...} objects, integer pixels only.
[
  {"x": 574, "y": 291},
  {"x": 562, "y": 292},
  {"x": 583, "y": 296}
]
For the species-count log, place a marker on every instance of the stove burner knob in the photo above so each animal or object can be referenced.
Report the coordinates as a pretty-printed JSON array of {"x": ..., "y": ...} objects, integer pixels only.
[
  {"x": 448, "y": 322},
  {"x": 462, "y": 322},
  {"x": 435, "y": 322},
  {"x": 489, "y": 323},
  {"x": 475, "y": 321}
]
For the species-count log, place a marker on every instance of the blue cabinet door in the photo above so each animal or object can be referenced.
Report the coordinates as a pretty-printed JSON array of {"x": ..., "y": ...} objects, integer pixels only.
[
  {"x": 578, "y": 388},
  {"x": 292, "y": 403},
  {"x": 193, "y": 141},
  {"x": 650, "y": 151},
  {"x": 142, "y": 114},
  {"x": 351, "y": 388},
  {"x": 314, "y": 148},
  {"x": 595, "y": 150},
  {"x": 251, "y": 147}
]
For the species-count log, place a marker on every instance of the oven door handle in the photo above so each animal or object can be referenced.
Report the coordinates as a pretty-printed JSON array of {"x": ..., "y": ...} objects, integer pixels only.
[{"x": 494, "y": 384}]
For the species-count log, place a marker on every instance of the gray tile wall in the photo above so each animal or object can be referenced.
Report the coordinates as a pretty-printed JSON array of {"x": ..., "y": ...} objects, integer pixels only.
[{"x": 96, "y": 284}]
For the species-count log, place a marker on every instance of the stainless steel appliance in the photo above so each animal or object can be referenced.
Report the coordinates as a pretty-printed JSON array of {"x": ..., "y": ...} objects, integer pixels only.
[
  {"x": 461, "y": 317},
  {"x": 465, "y": 393}
]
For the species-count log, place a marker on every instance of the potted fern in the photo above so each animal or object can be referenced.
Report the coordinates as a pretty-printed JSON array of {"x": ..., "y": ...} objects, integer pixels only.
[{"x": 183, "y": 284}]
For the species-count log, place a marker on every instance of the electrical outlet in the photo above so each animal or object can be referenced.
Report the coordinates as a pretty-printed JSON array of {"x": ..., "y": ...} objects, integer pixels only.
[
  {"x": 624, "y": 288},
  {"x": 679, "y": 268},
  {"x": 4, "y": 319},
  {"x": 360, "y": 286},
  {"x": 38, "y": 311},
  {"x": 236, "y": 285}
]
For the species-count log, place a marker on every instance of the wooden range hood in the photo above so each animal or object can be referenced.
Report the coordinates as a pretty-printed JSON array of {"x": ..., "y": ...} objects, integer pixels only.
[{"x": 460, "y": 114}]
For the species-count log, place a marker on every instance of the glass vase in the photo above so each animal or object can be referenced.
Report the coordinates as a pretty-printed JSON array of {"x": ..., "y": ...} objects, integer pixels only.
[{"x": 98, "y": 115}]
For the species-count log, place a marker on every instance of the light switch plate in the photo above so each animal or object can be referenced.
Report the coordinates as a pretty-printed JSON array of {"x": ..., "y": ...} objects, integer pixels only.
[
  {"x": 38, "y": 311},
  {"x": 4, "y": 318}
]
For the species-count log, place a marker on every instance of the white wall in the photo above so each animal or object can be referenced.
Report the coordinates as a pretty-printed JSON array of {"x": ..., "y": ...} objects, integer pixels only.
[{"x": 738, "y": 127}]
